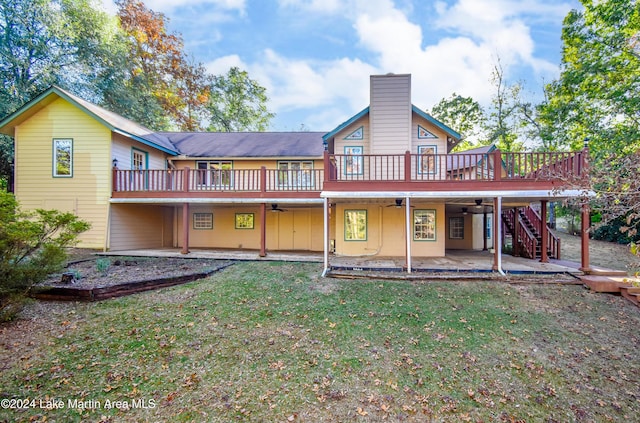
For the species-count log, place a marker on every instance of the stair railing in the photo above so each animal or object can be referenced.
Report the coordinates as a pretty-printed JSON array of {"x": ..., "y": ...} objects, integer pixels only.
[{"x": 553, "y": 242}]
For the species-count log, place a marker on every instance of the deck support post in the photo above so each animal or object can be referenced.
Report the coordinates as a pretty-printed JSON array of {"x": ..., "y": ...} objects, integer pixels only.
[
  {"x": 263, "y": 229},
  {"x": 484, "y": 230},
  {"x": 515, "y": 241},
  {"x": 543, "y": 232},
  {"x": 497, "y": 232},
  {"x": 325, "y": 232},
  {"x": 408, "y": 233},
  {"x": 185, "y": 229},
  {"x": 584, "y": 237}
]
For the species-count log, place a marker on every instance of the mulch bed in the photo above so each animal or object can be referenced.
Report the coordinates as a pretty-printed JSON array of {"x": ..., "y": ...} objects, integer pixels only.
[{"x": 103, "y": 278}]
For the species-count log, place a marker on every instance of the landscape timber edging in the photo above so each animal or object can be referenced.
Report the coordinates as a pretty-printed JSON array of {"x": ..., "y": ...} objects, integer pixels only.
[{"x": 102, "y": 293}]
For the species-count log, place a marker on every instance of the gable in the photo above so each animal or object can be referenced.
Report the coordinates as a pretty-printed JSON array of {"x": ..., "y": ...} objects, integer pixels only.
[{"x": 111, "y": 120}]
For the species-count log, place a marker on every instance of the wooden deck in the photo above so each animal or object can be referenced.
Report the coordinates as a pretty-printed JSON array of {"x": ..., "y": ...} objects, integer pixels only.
[{"x": 460, "y": 172}]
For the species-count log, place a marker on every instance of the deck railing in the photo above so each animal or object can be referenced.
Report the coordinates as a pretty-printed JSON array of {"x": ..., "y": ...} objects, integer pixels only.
[
  {"x": 223, "y": 180},
  {"x": 495, "y": 165}
]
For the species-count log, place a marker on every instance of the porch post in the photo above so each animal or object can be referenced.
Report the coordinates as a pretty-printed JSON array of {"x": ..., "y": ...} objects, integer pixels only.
[
  {"x": 497, "y": 241},
  {"x": 543, "y": 231},
  {"x": 516, "y": 229},
  {"x": 263, "y": 229},
  {"x": 326, "y": 236},
  {"x": 408, "y": 232},
  {"x": 584, "y": 235},
  {"x": 185, "y": 229}
]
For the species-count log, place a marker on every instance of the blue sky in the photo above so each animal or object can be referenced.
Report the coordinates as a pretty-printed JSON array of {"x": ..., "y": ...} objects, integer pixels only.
[{"x": 315, "y": 56}]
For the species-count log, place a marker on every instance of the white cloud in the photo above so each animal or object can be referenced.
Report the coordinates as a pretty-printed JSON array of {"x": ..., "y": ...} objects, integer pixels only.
[
  {"x": 322, "y": 6},
  {"x": 168, "y": 5},
  {"x": 223, "y": 64},
  {"x": 464, "y": 42}
]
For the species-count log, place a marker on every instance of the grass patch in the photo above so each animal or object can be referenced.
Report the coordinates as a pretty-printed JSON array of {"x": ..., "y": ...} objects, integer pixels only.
[{"x": 274, "y": 342}]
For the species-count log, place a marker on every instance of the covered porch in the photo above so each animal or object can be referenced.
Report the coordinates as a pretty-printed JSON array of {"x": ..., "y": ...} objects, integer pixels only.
[{"x": 456, "y": 262}]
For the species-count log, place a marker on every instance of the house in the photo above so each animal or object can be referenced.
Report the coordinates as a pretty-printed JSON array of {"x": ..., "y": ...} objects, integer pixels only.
[{"x": 382, "y": 183}]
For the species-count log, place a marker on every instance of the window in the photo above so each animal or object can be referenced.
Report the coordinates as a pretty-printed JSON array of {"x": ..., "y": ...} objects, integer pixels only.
[
  {"x": 216, "y": 174},
  {"x": 427, "y": 159},
  {"x": 456, "y": 227},
  {"x": 353, "y": 161},
  {"x": 138, "y": 160},
  {"x": 424, "y": 225},
  {"x": 63, "y": 158},
  {"x": 139, "y": 163},
  {"x": 203, "y": 221},
  {"x": 244, "y": 220},
  {"x": 355, "y": 225},
  {"x": 487, "y": 232},
  {"x": 295, "y": 174}
]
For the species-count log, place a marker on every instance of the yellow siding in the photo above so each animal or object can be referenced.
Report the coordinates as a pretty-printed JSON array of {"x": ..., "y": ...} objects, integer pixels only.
[
  {"x": 467, "y": 242},
  {"x": 430, "y": 248},
  {"x": 223, "y": 234},
  {"x": 87, "y": 193},
  {"x": 140, "y": 226},
  {"x": 295, "y": 229},
  {"x": 386, "y": 230}
]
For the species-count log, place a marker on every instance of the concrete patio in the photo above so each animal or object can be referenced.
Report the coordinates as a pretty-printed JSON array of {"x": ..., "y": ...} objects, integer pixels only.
[{"x": 455, "y": 261}]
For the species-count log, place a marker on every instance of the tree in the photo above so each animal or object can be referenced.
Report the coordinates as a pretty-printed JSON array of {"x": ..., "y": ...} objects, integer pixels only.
[
  {"x": 540, "y": 125},
  {"x": 464, "y": 115},
  {"x": 238, "y": 103},
  {"x": 153, "y": 82},
  {"x": 597, "y": 98},
  {"x": 46, "y": 42},
  {"x": 32, "y": 246},
  {"x": 598, "y": 93},
  {"x": 504, "y": 121}
]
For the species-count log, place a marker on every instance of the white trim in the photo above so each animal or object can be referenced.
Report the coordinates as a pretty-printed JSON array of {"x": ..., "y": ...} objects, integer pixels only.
[
  {"x": 498, "y": 233},
  {"x": 409, "y": 232},
  {"x": 317, "y": 201},
  {"x": 454, "y": 194},
  {"x": 326, "y": 236}
]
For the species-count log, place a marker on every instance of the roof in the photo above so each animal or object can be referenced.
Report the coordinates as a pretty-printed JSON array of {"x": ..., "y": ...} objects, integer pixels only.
[
  {"x": 414, "y": 109},
  {"x": 468, "y": 158},
  {"x": 111, "y": 120},
  {"x": 247, "y": 144}
]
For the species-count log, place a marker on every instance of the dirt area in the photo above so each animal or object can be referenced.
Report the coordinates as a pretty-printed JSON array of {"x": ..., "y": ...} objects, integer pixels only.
[
  {"x": 601, "y": 253},
  {"x": 109, "y": 271}
]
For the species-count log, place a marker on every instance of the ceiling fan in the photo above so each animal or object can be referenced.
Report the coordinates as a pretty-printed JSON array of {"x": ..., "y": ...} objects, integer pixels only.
[
  {"x": 398, "y": 203},
  {"x": 275, "y": 208}
]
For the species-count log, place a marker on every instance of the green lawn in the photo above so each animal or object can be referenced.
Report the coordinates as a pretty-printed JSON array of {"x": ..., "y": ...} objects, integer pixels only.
[{"x": 274, "y": 342}]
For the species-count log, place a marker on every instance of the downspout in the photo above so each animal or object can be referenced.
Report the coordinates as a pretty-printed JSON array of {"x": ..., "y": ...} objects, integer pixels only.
[
  {"x": 408, "y": 233},
  {"x": 326, "y": 237},
  {"x": 497, "y": 242},
  {"x": 107, "y": 238}
]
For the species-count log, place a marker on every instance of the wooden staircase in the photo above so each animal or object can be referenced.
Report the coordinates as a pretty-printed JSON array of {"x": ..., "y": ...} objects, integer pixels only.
[{"x": 523, "y": 224}]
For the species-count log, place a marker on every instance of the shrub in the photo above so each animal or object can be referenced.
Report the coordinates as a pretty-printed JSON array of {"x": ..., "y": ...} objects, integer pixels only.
[
  {"x": 32, "y": 246},
  {"x": 102, "y": 265}
]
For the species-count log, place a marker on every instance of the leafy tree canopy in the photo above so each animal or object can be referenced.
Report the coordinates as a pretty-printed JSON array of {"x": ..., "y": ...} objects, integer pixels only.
[
  {"x": 597, "y": 96},
  {"x": 464, "y": 115},
  {"x": 238, "y": 103}
]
